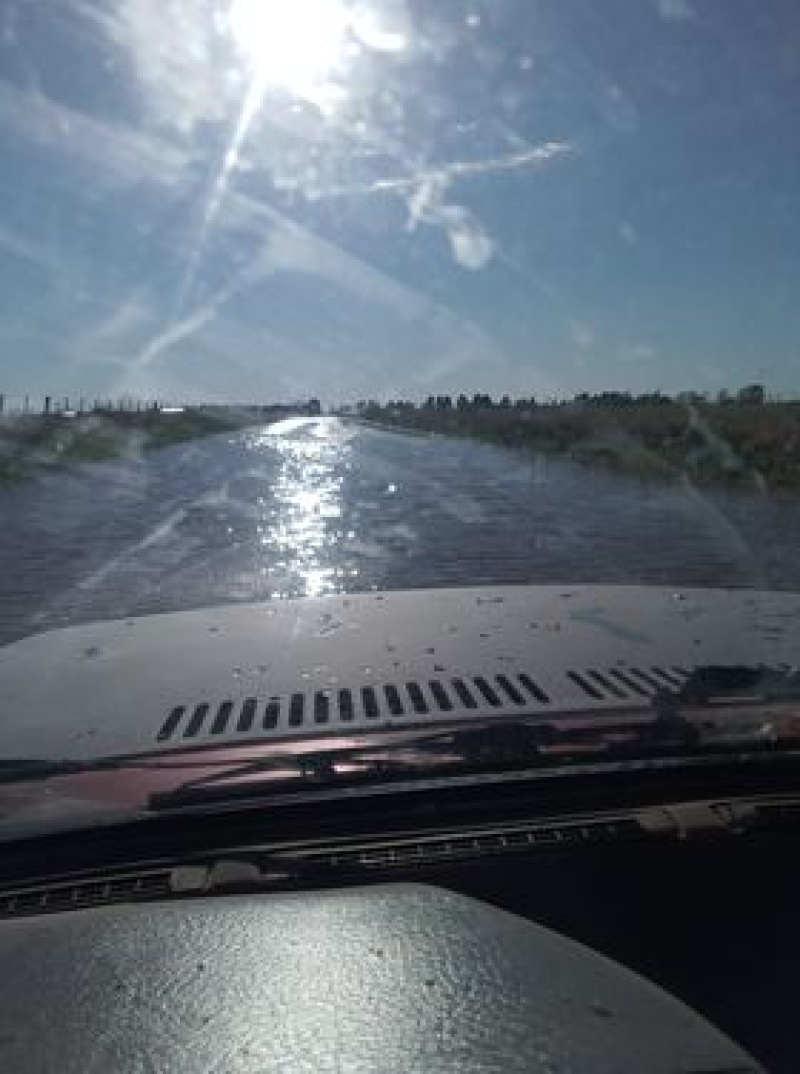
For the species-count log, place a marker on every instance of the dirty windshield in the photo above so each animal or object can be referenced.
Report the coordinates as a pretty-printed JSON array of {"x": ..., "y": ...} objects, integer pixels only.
[{"x": 339, "y": 296}]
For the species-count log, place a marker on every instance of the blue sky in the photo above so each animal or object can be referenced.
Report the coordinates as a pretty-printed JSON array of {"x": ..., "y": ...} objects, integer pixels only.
[{"x": 255, "y": 200}]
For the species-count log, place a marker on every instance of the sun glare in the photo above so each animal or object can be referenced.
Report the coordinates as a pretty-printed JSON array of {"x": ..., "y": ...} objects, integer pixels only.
[{"x": 295, "y": 45}]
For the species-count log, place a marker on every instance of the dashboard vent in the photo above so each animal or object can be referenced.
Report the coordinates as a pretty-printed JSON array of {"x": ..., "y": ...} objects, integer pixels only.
[
  {"x": 437, "y": 850},
  {"x": 364, "y": 705},
  {"x": 83, "y": 894}
]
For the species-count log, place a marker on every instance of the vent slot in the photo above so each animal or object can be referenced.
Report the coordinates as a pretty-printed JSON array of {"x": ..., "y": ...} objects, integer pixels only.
[
  {"x": 170, "y": 725},
  {"x": 222, "y": 717},
  {"x": 648, "y": 680},
  {"x": 668, "y": 677},
  {"x": 297, "y": 708},
  {"x": 440, "y": 695},
  {"x": 534, "y": 689},
  {"x": 321, "y": 707},
  {"x": 588, "y": 688},
  {"x": 463, "y": 694},
  {"x": 607, "y": 684},
  {"x": 247, "y": 715},
  {"x": 370, "y": 701},
  {"x": 487, "y": 692},
  {"x": 345, "y": 705},
  {"x": 272, "y": 713},
  {"x": 507, "y": 685},
  {"x": 416, "y": 696},
  {"x": 196, "y": 722},
  {"x": 393, "y": 700},
  {"x": 631, "y": 684}
]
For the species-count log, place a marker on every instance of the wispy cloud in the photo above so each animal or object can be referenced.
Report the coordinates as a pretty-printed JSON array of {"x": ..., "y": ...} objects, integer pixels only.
[
  {"x": 442, "y": 174},
  {"x": 425, "y": 192},
  {"x": 472, "y": 248},
  {"x": 181, "y": 62},
  {"x": 188, "y": 326},
  {"x": 114, "y": 153}
]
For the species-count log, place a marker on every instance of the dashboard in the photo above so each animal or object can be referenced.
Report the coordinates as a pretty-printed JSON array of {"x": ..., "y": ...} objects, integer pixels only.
[{"x": 583, "y": 945}]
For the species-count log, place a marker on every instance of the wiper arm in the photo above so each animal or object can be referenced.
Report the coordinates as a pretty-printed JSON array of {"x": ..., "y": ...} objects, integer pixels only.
[
  {"x": 718, "y": 711},
  {"x": 483, "y": 746},
  {"x": 32, "y": 769}
]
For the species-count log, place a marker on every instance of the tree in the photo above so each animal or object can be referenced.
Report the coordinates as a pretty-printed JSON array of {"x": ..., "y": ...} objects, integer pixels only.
[{"x": 752, "y": 394}]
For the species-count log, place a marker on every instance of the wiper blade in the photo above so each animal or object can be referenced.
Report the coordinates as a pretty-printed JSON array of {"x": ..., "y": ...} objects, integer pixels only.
[
  {"x": 497, "y": 744},
  {"x": 716, "y": 710},
  {"x": 32, "y": 769},
  {"x": 23, "y": 769}
]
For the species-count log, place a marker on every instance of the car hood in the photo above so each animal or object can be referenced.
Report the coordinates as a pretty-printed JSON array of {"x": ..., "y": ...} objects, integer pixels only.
[{"x": 342, "y": 664}]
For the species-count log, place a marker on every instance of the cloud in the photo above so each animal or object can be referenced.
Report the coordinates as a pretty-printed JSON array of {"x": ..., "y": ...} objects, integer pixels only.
[
  {"x": 181, "y": 61},
  {"x": 426, "y": 188},
  {"x": 471, "y": 246},
  {"x": 125, "y": 318},
  {"x": 194, "y": 79},
  {"x": 675, "y": 10},
  {"x": 443, "y": 174},
  {"x": 114, "y": 153}
]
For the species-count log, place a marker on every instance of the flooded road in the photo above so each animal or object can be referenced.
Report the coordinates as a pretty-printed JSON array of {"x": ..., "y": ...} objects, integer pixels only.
[{"x": 313, "y": 506}]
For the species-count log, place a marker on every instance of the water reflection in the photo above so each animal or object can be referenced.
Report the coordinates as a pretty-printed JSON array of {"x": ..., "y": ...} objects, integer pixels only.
[{"x": 299, "y": 526}]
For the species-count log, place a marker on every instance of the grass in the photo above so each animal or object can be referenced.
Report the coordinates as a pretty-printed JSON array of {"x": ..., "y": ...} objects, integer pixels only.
[
  {"x": 31, "y": 444},
  {"x": 740, "y": 445}
]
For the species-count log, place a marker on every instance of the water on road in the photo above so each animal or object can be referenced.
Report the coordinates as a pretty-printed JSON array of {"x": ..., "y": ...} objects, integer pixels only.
[{"x": 313, "y": 506}]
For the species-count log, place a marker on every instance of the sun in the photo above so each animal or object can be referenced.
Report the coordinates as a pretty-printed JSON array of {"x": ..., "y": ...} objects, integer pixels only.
[{"x": 294, "y": 45}]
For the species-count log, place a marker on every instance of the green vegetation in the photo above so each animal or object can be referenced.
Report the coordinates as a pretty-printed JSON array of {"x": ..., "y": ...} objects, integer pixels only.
[
  {"x": 32, "y": 443},
  {"x": 743, "y": 441}
]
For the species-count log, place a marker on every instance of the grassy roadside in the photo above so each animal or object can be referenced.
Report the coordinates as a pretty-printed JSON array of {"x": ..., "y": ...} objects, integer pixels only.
[
  {"x": 734, "y": 445},
  {"x": 35, "y": 443}
]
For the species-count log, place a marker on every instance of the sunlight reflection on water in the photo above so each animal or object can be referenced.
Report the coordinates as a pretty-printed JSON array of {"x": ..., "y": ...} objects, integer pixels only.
[{"x": 299, "y": 529}]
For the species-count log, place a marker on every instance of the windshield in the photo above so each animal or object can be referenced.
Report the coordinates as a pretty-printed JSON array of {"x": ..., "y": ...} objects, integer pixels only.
[{"x": 332, "y": 297}]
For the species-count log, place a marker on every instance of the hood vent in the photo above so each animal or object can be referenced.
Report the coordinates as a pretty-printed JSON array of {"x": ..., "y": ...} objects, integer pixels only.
[
  {"x": 627, "y": 683},
  {"x": 433, "y": 697},
  {"x": 362, "y": 705}
]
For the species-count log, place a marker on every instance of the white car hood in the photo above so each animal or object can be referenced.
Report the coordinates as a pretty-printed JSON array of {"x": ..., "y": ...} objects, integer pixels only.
[{"x": 353, "y": 663}]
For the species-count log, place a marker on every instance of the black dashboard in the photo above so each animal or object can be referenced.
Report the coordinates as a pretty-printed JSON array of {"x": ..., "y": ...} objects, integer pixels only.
[{"x": 422, "y": 941}]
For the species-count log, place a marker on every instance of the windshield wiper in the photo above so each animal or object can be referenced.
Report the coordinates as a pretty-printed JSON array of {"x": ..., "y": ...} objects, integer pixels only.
[
  {"x": 716, "y": 711},
  {"x": 497, "y": 745}
]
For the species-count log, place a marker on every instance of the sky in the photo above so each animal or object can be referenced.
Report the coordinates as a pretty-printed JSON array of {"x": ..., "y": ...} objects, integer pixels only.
[{"x": 254, "y": 200}]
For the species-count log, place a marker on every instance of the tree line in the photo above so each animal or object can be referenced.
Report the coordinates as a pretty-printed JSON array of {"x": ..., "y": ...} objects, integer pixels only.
[{"x": 749, "y": 395}]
